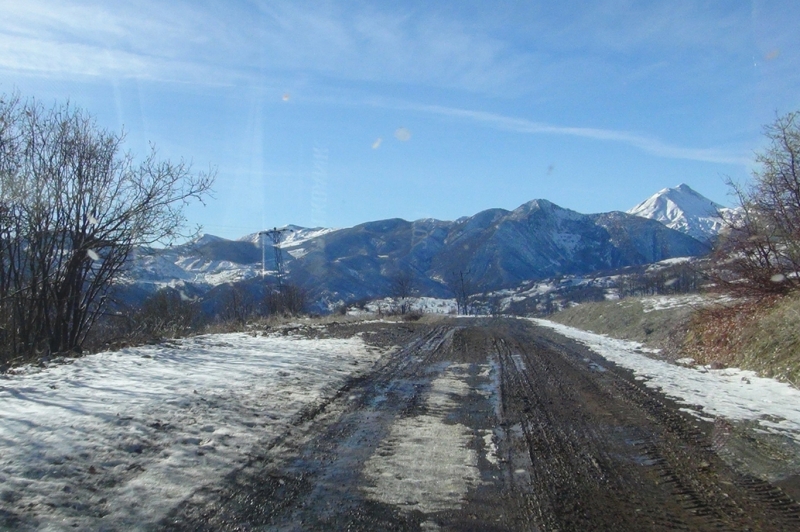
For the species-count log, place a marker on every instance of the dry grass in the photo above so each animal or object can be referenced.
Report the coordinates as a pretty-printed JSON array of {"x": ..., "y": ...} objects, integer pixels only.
[
  {"x": 760, "y": 335},
  {"x": 626, "y": 319}
]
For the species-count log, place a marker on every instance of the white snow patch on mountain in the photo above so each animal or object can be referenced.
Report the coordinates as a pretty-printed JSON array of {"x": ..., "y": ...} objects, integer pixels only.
[
  {"x": 298, "y": 253},
  {"x": 293, "y": 235},
  {"x": 684, "y": 210}
]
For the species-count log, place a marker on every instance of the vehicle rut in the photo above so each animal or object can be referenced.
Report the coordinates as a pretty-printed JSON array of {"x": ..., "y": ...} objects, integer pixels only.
[{"x": 543, "y": 435}]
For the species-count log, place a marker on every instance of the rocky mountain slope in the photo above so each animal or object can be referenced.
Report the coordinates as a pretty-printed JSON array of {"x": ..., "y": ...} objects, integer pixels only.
[{"x": 495, "y": 249}]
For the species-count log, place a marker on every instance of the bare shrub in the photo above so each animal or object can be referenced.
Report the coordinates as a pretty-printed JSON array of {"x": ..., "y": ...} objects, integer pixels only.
[
  {"x": 73, "y": 206},
  {"x": 761, "y": 248},
  {"x": 166, "y": 314},
  {"x": 290, "y": 300},
  {"x": 414, "y": 315},
  {"x": 238, "y": 306}
]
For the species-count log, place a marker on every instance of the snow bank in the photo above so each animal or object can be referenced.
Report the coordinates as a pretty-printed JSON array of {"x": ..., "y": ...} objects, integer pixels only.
[
  {"x": 115, "y": 440},
  {"x": 731, "y": 393}
]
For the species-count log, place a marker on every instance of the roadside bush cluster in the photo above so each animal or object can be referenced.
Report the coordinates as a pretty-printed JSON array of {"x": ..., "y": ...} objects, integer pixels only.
[
  {"x": 72, "y": 208},
  {"x": 167, "y": 314}
]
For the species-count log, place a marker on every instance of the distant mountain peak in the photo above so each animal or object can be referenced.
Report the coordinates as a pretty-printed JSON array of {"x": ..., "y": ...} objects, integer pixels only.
[
  {"x": 206, "y": 238},
  {"x": 684, "y": 209}
]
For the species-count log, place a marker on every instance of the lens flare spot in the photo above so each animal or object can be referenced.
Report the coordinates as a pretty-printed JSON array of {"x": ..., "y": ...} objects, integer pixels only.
[{"x": 402, "y": 134}]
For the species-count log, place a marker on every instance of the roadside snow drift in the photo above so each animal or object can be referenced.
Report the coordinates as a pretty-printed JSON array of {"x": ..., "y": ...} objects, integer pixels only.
[
  {"x": 731, "y": 393},
  {"x": 113, "y": 441}
]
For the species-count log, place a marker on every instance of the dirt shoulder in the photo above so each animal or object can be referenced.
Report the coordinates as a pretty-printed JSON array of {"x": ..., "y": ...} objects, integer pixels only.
[{"x": 657, "y": 322}]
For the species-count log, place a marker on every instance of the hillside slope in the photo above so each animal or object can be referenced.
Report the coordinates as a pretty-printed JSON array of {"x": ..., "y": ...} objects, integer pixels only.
[{"x": 760, "y": 336}]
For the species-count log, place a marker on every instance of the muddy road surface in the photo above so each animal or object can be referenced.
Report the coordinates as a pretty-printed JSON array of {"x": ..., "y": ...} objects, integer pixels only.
[{"x": 491, "y": 425}]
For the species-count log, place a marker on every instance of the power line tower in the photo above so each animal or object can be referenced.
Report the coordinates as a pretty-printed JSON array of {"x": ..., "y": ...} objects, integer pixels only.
[{"x": 276, "y": 235}]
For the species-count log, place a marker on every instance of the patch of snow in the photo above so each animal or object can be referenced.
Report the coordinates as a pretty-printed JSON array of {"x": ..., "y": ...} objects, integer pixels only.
[
  {"x": 662, "y": 264},
  {"x": 426, "y": 305},
  {"x": 206, "y": 238},
  {"x": 302, "y": 235},
  {"x": 298, "y": 253},
  {"x": 426, "y": 464},
  {"x": 650, "y": 304},
  {"x": 730, "y": 393},
  {"x": 115, "y": 440}
]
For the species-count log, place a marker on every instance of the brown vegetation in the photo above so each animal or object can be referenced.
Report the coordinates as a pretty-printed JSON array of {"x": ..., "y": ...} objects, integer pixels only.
[{"x": 760, "y": 335}]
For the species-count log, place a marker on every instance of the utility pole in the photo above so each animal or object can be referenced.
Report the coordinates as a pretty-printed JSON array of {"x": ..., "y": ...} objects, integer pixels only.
[{"x": 276, "y": 235}]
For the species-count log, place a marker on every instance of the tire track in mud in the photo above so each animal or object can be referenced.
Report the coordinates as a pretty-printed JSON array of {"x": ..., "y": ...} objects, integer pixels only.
[
  {"x": 564, "y": 440},
  {"x": 663, "y": 473},
  {"x": 308, "y": 478}
]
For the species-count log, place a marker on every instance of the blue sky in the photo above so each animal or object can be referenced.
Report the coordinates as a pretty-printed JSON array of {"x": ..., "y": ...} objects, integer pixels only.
[{"x": 592, "y": 105}]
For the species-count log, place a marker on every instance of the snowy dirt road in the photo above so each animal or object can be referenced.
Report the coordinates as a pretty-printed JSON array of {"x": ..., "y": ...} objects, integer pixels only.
[{"x": 503, "y": 425}]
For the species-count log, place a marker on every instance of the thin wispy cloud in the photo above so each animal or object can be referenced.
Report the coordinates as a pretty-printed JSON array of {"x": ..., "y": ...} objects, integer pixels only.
[
  {"x": 390, "y": 46},
  {"x": 520, "y": 125},
  {"x": 76, "y": 40},
  {"x": 247, "y": 41}
]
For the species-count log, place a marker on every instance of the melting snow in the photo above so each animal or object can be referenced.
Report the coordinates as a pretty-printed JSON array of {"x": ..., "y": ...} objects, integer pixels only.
[
  {"x": 668, "y": 302},
  {"x": 731, "y": 393},
  {"x": 426, "y": 464},
  {"x": 115, "y": 440}
]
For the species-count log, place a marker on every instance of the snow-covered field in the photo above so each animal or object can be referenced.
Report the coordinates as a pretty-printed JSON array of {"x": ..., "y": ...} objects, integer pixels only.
[
  {"x": 113, "y": 441},
  {"x": 426, "y": 305},
  {"x": 731, "y": 393}
]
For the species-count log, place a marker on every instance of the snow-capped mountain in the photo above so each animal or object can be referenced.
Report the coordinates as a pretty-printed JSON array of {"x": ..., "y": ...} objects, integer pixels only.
[
  {"x": 497, "y": 248},
  {"x": 210, "y": 260},
  {"x": 684, "y": 210}
]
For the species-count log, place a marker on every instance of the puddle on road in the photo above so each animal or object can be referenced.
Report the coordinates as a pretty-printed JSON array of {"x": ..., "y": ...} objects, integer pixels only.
[{"x": 425, "y": 463}]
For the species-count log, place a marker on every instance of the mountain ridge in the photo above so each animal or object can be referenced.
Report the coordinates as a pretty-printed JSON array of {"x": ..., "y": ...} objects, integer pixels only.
[{"x": 497, "y": 248}]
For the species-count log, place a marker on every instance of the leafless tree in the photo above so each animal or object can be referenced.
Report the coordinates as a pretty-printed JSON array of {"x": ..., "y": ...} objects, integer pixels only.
[
  {"x": 73, "y": 206},
  {"x": 289, "y": 300},
  {"x": 762, "y": 244},
  {"x": 238, "y": 305},
  {"x": 461, "y": 286},
  {"x": 401, "y": 288}
]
